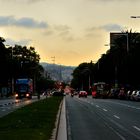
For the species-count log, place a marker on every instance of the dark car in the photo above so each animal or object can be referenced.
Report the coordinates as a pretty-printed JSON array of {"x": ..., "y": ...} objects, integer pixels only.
[
  {"x": 82, "y": 94},
  {"x": 57, "y": 93}
]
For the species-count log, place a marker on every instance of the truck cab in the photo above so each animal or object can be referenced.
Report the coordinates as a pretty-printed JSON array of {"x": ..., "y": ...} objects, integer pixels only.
[{"x": 24, "y": 88}]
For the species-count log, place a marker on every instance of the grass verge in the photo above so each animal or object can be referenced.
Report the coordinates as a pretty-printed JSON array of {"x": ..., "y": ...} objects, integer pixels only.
[{"x": 32, "y": 122}]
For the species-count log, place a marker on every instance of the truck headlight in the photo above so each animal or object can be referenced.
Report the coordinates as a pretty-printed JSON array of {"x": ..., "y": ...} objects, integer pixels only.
[
  {"x": 27, "y": 95},
  {"x": 16, "y": 95}
]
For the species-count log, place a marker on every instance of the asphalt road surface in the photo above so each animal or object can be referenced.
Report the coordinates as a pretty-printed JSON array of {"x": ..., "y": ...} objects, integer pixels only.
[
  {"x": 102, "y": 119},
  {"x": 9, "y": 105}
]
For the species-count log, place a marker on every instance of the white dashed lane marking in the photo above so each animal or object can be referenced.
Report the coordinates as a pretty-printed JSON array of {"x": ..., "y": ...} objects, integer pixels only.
[
  {"x": 97, "y": 106},
  {"x": 117, "y": 117},
  {"x": 104, "y": 110},
  {"x": 137, "y": 128}
]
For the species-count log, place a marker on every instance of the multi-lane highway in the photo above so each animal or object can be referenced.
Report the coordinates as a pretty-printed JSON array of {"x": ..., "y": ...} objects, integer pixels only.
[{"x": 102, "y": 119}]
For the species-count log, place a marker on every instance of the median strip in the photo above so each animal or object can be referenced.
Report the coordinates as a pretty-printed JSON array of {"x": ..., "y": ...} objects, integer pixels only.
[{"x": 35, "y": 121}]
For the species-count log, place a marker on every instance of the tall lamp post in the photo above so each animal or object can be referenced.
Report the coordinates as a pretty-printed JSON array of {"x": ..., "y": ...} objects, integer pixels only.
[{"x": 12, "y": 77}]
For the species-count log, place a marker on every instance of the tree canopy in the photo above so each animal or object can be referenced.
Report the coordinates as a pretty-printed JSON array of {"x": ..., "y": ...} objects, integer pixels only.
[
  {"x": 117, "y": 66},
  {"x": 21, "y": 62}
]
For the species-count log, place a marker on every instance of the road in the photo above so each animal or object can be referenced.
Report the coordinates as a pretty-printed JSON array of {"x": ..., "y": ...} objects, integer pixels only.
[
  {"x": 9, "y": 105},
  {"x": 102, "y": 119}
]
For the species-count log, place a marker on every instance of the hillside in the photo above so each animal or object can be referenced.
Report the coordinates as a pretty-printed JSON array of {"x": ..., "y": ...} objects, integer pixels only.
[{"x": 59, "y": 72}]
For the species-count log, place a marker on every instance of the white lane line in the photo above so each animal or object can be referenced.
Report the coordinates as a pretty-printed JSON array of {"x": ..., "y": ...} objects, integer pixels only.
[
  {"x": 97, "y": 106},
  {"x": 104, "y": 110},
  {"x": 126, "y": 105},
  {"x": 114, "y": 130},
  {"x": 116, "y": 116},
  {"x": 137, "y": 128}
]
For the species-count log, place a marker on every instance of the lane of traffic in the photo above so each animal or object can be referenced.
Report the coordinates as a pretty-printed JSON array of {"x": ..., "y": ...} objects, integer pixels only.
[
  {"x": 117, "y": 118},
  {"x": 84, "y": 122}
]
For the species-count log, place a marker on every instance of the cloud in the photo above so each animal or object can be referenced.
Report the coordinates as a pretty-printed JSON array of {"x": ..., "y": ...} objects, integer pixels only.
[
  {"x": 22, "y": 22},
  {"x": 106, "y": 27},
  {"x": 61, "y": 31},
  {"x": 113, "y": 0},
  {"x": 111, "y": 27},
  {"x": 23, "y": 1},
  {"x": 48, "y": 33},
  {"x": 92, "y": 31},
  {"x": 24, "y": 42},
  {"x": 61, "y": 28}
]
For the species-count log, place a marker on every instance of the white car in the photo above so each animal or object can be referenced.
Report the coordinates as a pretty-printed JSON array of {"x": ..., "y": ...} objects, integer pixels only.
[{"x": 137, "y": 96}]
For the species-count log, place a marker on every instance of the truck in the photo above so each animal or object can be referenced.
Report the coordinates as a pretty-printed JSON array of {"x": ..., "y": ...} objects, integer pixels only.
[
  {"x": 24, "y": 88},
  {"x": 100, "y": 90}
]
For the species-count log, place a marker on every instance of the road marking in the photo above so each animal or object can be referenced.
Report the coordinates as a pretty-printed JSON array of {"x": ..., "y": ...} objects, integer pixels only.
[
  {"x": 104, "y": 110},
  {"x": 126, "y": 105},
  {"x": 137, "y": 128},
  {"x": 117, "y": 133},
  {"x": 116, "y": 116},
  {"x": 97, "y": 106}
]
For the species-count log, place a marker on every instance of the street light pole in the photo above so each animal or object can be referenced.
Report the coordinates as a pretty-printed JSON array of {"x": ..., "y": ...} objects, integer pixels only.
[
  {"x": 12, "y": 77},
  {"x": 12, "y": 87},
  {"x": 135, "y": 17}
]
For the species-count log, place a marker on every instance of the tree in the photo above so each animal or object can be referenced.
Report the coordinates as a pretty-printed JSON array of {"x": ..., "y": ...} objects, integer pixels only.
[
  {"x": 119, "y": 64},
  {"x": 83, "y": 76},
  {"x": 3, "y": 63}
]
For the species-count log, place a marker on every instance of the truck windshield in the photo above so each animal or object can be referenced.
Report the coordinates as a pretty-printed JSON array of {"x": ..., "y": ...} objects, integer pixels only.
[{"x": 22, "y": 87}]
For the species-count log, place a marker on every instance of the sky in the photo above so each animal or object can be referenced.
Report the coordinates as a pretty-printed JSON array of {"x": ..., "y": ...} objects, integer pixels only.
[{"x": 72, "y": 31}]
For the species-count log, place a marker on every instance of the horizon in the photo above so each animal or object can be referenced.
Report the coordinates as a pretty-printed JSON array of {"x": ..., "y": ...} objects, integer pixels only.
[{"x": 73, "y": 32}]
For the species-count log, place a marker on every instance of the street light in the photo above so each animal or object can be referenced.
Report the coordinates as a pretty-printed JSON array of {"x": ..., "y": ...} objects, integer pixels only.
[{"x": 135, "y": 17}]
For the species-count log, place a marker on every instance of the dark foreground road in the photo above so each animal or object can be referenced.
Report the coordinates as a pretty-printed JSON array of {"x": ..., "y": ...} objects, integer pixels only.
[{"x": 102, "y": 119}]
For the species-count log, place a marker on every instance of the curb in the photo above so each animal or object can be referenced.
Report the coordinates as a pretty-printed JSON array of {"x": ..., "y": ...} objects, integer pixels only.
[
  {"x": 62, "y": 131},
  {"x": 55, "y": 130}
]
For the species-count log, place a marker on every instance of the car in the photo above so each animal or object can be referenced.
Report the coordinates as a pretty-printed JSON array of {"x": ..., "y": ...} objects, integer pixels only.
[
  {"x": 122, "y": 94},
  {"x": 128, "y": 95},
  {"x": 136, "y": 95},
  {"x": 82, "y": 94},
  {"x": 132, "y": 96},
  {"x": 94, "y": 94},
  {"x": 57, "y": 93}
]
